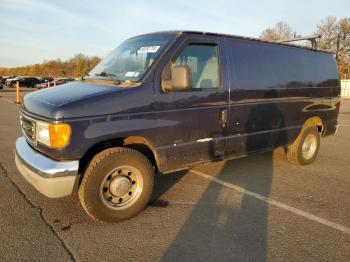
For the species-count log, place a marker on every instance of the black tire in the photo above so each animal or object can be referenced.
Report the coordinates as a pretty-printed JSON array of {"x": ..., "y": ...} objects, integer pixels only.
[
  {"x": 295, "y": 153},
  {"x": 91, "y": 191}
]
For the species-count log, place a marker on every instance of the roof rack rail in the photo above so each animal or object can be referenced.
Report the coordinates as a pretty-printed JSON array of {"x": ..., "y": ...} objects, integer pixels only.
[{"x": 312, "y": 40}]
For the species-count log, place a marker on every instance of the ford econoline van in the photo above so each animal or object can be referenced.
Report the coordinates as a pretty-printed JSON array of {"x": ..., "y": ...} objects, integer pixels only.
[{"x": 166, "y": 101}]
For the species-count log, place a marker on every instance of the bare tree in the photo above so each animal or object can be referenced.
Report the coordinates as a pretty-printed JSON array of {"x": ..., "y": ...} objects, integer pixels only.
[
  {"x": 280, "y": 31},
  {"x": 335, "y": 35},
  {"x": 335, "y": 38}
]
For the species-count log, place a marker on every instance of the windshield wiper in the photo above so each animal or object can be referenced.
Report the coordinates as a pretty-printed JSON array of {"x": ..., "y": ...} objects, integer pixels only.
[{"x": 109, "y": 76}]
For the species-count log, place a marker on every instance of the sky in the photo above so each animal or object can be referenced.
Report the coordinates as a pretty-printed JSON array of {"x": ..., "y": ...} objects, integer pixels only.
[{"x": 32, "y": 31}]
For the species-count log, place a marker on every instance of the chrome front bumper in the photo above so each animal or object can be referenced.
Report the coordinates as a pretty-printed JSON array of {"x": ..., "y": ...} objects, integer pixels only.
[{"x": 50, "y": 177}]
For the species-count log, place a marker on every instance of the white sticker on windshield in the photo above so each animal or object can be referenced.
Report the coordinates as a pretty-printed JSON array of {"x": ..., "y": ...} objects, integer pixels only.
[
  {"x": 132, "y": 74},
  {"x": 148, "y": 49}
]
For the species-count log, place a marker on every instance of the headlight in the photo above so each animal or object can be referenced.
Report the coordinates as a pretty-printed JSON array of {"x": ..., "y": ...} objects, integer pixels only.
[{"x": 53, "y": 135}]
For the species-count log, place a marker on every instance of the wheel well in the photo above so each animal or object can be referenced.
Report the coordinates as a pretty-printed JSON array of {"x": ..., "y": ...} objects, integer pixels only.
[
  {"x": 140, "y": 144},
  {"x": 315, "y": 121},
  {"x": 94, "y": 150}
]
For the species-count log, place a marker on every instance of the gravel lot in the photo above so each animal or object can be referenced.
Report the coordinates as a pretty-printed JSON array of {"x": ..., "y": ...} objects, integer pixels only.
[{"x": 258, "y": 208}]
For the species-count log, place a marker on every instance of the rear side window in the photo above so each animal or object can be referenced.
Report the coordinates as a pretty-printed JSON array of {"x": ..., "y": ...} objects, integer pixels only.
[
  {"x": 266, "y": 66},
  {"x": 262, "y": 66},
  {"x": 203, "y": 61}
]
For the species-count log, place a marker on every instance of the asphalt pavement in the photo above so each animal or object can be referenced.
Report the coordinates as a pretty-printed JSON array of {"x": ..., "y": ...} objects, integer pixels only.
[{"x": 258, "y": 208}]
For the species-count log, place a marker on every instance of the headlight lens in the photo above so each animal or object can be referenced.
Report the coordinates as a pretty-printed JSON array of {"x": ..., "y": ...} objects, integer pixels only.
[
  {"x": 42, "y": 133},
  {"x": 53, "y": 135}
]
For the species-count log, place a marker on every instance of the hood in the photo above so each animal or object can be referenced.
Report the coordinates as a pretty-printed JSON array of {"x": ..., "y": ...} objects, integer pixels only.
[{"x": 62, "y": 101}]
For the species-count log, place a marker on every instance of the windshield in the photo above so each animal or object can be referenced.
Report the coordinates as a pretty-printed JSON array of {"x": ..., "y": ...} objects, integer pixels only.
[{"x": 130, "y": 60}]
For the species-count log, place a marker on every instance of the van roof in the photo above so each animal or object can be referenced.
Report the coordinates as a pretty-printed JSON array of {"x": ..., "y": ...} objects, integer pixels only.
[{"x": 179, "y": 32}]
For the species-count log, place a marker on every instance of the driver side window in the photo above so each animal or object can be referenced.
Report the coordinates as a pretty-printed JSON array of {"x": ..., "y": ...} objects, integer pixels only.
[{"x": 202, "y": 60}]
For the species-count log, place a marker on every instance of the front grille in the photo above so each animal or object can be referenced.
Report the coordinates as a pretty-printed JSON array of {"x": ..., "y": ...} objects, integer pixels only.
[{"x": 28, "y": 128}]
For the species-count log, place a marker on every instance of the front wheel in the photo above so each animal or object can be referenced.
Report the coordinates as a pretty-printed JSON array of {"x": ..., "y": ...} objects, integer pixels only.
[
  {"x": 117, "y": 185},
  {"x": 305, "y": 148}
]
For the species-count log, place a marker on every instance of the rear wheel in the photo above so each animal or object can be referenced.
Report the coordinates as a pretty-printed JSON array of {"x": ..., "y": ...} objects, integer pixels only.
[
  {"x": 305, "y": 148},
  {"x": 117, "y": 185}
]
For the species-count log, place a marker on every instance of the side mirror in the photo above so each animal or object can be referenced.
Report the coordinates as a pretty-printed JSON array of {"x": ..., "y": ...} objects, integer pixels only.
[{"x": 181, "y": 79}]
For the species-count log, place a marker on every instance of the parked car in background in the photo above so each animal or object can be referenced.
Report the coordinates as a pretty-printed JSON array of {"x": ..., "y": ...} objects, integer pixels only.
[
  {"x": 55, "y": 82},
  {"x": 2, "y": 81},
  {"x": 29, "y": 82},
  {"x": 24, "y": 81},
  {"x": 46, "y": 79},
  {"x": 10, "y": 79}
]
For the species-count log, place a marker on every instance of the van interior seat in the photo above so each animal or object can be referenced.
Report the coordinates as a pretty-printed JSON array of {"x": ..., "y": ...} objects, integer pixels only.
[{"x": 209, "y": 75}]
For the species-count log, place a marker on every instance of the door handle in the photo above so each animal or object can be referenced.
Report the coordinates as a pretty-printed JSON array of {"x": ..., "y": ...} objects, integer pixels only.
[{"x": 223, "y": 117}]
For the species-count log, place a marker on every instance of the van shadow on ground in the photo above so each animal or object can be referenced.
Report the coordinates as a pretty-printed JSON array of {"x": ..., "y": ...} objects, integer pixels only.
[
  {"x": 221, "y": 230},
  {"x": 225, "y": 225}
]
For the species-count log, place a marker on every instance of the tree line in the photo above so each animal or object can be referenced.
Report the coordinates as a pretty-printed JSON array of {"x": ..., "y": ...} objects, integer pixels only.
[
  {"x": 76, "y": 66},
  {"x": 335, "y": 38}
]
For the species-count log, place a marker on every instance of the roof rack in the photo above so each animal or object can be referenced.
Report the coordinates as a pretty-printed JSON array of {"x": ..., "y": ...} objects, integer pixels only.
[{"x": 312, "y": 40}]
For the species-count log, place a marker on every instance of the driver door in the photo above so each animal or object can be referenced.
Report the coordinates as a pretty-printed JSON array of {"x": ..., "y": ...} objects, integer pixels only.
[{"x": 192, "y": 122}]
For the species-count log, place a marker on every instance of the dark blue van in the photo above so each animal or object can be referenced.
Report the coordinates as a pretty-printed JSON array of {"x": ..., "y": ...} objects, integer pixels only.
[{"x": 166, "y": 101}]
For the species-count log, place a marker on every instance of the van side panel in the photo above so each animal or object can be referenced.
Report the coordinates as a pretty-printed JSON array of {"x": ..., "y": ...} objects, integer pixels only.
[{"x": 274, "y": 89}]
